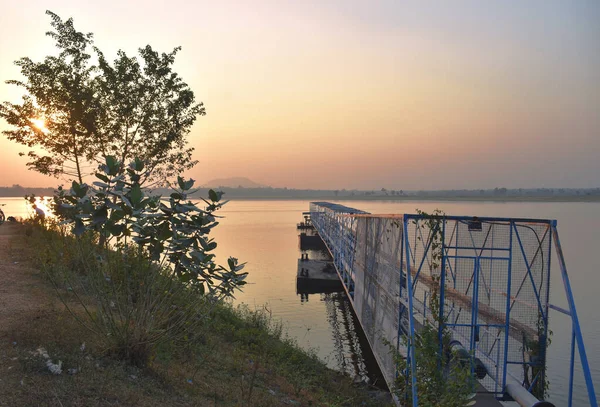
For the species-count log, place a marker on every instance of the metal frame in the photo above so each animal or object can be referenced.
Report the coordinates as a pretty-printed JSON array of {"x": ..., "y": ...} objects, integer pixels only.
[{"x": 338, "y": 225}]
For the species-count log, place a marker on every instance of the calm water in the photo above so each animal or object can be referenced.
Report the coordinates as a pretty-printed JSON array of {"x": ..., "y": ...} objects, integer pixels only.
[{"x": 263, "y": 234}]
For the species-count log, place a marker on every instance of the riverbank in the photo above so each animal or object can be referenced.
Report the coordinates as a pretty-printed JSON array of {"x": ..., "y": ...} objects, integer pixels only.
[
  {"x": 240, "y": 357},
  {"x": 422, "y": 198}
]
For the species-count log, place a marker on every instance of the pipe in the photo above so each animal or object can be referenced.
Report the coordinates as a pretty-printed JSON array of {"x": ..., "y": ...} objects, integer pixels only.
[
  {"x": 465, "y": 357},
  {"x": 523, "y": 397},
  {"x": 513, "y": 388}
]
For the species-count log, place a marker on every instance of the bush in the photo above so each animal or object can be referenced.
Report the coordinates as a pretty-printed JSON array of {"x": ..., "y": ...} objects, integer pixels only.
[{"x": 140, "y": 268}]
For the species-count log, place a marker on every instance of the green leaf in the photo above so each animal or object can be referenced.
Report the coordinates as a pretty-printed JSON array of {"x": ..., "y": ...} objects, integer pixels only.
[
  {"x": 214, "y": 196},
  {"x": 115, "y": 230},
  {"x": 188, "y": 184},
  {"x": 117, "y": 214},
  {"x": 79, "y": 190},
  {"x": 79, "y": 228},
  {"x": 100, "y": 215},
  {"x": 164, "y": 231},
  {"x": 198, "y": 255},
  {"x": 112, "y": 165},
  {"x": 102, "y": 177},
  {"x": 100, "y": 184},
  {"x": 136, "y": 194},
  {"x": 137, "y": 164}
]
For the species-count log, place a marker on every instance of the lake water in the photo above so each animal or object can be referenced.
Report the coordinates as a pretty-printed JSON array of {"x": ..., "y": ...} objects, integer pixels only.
[{"x": 263, "y": 234}]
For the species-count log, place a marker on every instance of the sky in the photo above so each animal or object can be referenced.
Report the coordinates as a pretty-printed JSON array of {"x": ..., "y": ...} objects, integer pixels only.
[{"x": 351, "y": 94}]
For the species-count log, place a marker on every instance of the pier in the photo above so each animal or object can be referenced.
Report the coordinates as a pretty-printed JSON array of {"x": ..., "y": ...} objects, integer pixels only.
[
  {"x": 316, "y": 276},
  {"x": 490, "y": 277}
]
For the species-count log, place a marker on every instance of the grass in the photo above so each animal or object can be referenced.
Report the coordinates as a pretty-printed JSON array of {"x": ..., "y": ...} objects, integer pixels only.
[{"x": 236, "y": 357}]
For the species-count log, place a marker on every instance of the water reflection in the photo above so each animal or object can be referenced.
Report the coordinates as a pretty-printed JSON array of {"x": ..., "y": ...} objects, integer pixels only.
[
  {"x": 318, "y": 278},
  {"x": 352, "y": 351},
  {"x": 22, "y": 208}
]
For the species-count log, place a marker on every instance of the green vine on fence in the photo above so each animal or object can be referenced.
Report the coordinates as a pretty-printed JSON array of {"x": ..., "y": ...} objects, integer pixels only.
[
  {"x": 443, "y": 378},
  {"x": 432, "y": 224}
]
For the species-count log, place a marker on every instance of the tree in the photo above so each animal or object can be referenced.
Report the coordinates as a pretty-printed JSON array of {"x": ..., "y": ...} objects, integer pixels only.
[{"x": 127, "y": 108}]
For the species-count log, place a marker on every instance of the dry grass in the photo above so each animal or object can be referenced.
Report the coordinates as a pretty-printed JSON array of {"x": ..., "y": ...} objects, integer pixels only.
[{"x": 238, "y": 358}]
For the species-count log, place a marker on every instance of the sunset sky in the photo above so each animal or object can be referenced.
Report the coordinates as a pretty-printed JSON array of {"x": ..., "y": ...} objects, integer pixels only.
[{"x": 357, "y": 94}]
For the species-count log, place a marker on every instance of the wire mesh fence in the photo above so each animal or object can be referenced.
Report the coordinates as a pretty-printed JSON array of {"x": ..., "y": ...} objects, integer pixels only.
[{"x": 482, "y": 282}]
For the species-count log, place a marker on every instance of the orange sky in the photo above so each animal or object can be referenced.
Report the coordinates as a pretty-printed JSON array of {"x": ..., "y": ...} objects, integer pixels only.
[{"x": 346, "y": 94}]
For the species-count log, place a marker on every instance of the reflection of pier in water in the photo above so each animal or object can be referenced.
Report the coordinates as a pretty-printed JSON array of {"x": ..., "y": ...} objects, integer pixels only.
[{"x": 352, "y": 354}]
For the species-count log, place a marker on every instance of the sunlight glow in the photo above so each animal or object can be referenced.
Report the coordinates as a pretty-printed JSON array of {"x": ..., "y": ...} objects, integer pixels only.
[
  {"x": 44, "y": 204},
  {"x": 40, "y": 124}
]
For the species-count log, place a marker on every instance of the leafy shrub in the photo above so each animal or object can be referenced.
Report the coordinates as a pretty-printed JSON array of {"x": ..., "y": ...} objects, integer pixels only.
[
  {"x": 141, "y": 268},
  {"x": 443, "y": 377}
]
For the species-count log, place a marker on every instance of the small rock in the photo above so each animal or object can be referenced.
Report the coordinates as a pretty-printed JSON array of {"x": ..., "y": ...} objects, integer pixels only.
[
  {"x": 272, "y": 392},
  {"x": 133, "y": 377},
  {"x": 72, "y": 371}
]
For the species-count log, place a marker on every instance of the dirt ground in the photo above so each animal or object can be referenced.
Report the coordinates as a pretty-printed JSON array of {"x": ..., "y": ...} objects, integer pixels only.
[{"x": 22, "y": 293}]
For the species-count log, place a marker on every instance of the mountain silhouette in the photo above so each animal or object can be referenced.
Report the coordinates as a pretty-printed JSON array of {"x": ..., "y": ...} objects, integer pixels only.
[{"x": 232, "y": 182}]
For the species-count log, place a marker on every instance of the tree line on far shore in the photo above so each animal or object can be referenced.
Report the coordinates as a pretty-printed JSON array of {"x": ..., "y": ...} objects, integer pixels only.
[{"x": 383, "y": 193}]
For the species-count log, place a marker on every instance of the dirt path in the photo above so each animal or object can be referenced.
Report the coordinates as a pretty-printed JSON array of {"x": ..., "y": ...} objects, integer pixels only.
[{"x": 22, "y": 289}]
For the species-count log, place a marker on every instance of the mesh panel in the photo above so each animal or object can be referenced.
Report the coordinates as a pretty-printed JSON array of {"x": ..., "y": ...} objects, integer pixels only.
[{"x": 495, "y": 291}]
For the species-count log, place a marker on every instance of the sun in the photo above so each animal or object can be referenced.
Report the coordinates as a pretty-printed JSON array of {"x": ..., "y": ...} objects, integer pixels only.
[{"x": 39, "y": 124}]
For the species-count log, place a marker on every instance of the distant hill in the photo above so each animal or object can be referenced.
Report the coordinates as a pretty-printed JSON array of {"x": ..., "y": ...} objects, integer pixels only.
[
  {"x": 232, "y": 182},
  {"x": 19, "y": 191}
]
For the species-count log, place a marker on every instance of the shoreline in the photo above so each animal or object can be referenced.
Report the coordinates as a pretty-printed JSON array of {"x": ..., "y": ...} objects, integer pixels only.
[
  {"x": 545, "y": 199},
  {"x": 417, "y": 198}
]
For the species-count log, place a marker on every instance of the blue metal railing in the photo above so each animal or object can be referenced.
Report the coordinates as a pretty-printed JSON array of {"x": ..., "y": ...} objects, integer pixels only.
[{"x": 528, "y": 264}]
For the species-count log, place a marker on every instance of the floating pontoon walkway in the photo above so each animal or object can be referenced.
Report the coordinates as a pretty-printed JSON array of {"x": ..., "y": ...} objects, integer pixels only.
[{"x": 491, "y": 280}]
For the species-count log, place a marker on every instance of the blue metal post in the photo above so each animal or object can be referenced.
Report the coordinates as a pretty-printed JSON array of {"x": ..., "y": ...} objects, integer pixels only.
[
  {"x": 411, "y": 348},
  {"x": 441, "y": 319},
  {"x": 571, "y": 366},
  {"x": 456, "y": 254},
  {"x": 576, "y": 328},
  {"x": 508, "y": 307},
  {"x": 547, "y": 299},
  {"x": 401, "y": 306},
  {"x": 475, "y": 307}
]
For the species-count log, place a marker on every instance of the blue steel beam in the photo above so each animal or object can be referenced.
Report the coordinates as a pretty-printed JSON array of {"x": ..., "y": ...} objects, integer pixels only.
[
  {"x": 576, "y": 328},
  {"x": 338, "y": 226}
]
